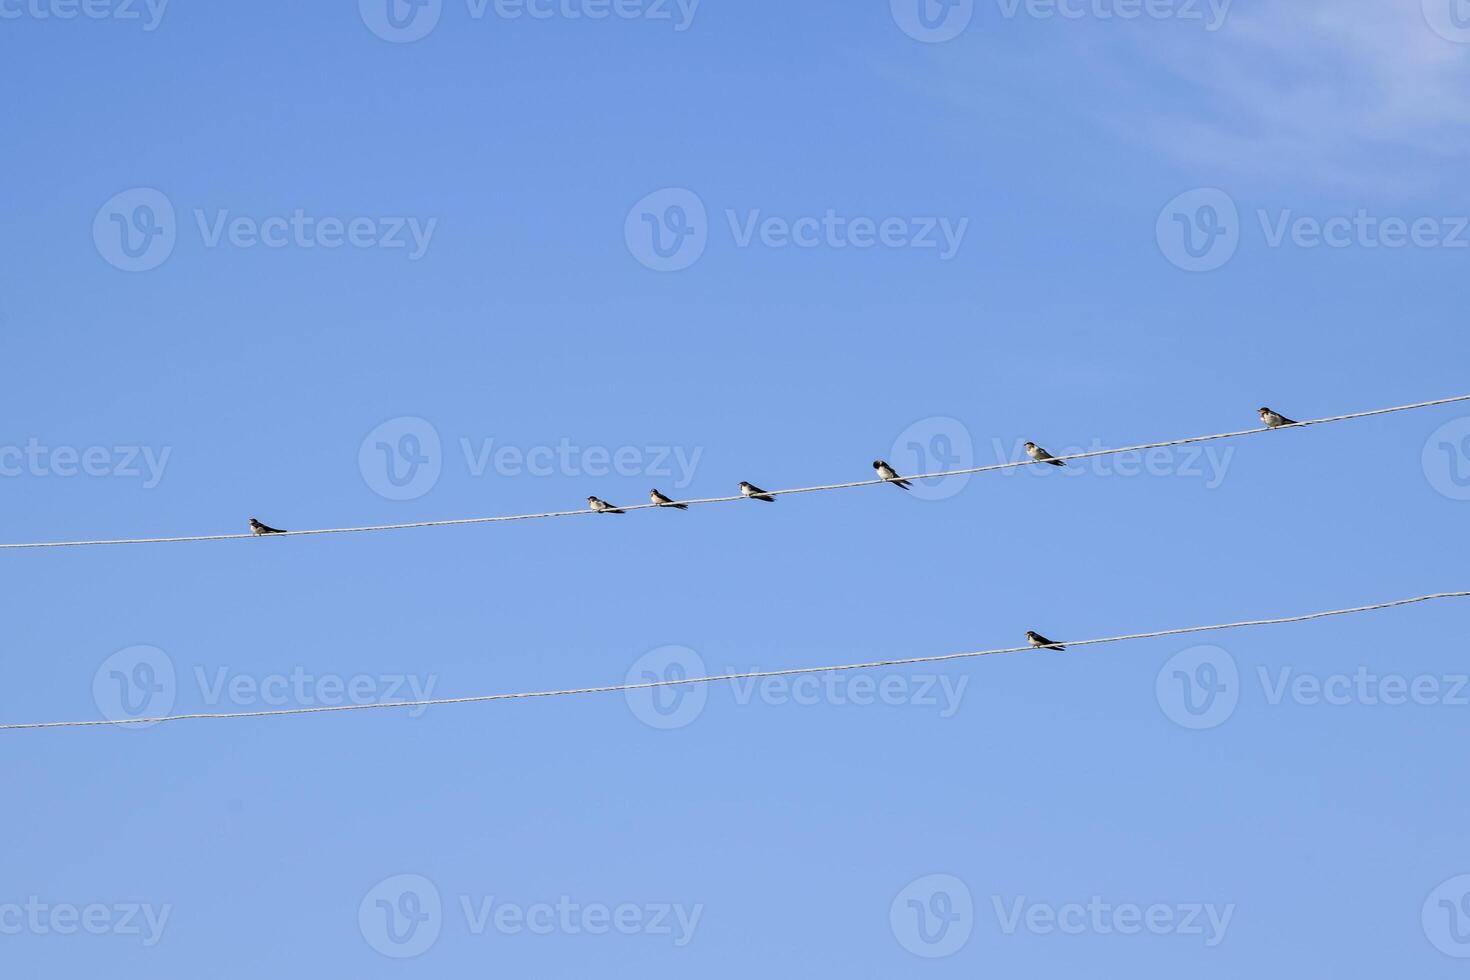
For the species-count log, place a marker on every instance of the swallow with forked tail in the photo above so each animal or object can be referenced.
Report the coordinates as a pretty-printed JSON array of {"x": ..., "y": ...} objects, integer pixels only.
[
  {"x": 1042, "y": 643},
  {"x": 755, "y": 493},
  {"x": 603, "y": 507},
  {"x": 1041, "y": 455},
  {"x": 1275, "y": 420},
  {"x": 888, "y": 473},
  {"x": 659, "y": 500}
]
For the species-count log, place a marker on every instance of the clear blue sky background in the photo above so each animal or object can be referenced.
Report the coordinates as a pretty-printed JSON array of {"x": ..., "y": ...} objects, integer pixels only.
[{"x": 530, "y": 321}]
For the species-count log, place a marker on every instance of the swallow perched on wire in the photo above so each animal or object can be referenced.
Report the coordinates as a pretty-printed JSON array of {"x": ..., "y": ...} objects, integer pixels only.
[
  {"x": 1042, "y": 456},
  {"x": 1042, "y": 643},
  {"x": 258, "y": 528},
  {"x": 888, "y": 473},
  {"x": 755, "y": 493},
  {"x": 1275, "y": 420},
  {"x": 603, "y": 507},
  {"x": 659, "y": 500}
]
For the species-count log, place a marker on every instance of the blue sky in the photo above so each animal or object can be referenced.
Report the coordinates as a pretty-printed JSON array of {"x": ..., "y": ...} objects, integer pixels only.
[{"x": 526, "y": 259}]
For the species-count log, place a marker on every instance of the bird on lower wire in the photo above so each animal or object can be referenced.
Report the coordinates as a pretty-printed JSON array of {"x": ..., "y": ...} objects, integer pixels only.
[
  {"x": 1042, "y": 643},
  {"x": 258, "y": 528},
  {"x": 755, "y": 493},
  {"x": 888, "y": 473},
  {"x": 1275, "y": 420}
]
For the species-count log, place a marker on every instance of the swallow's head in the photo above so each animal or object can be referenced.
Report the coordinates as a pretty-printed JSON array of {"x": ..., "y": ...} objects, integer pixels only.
[
  {"x": 592, "y": 500},
  {"x": 1264, "y": 411},
  {"x": 1033, "y": 636},
  {"x": 878, "y": 464},
  {"x": 653, "y": 492},
  {"x": 1031, "y": 447},
  {"x": 745, "y": 486}
]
